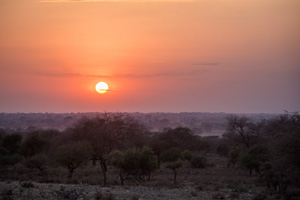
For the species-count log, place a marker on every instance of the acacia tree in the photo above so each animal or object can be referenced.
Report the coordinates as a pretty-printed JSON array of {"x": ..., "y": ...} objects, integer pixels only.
[
  {"x": 73, "y": 155},
  {"x": 33, "y": 144},
  {"x": 11, "y": 143},
  {"x": 172, "y": 159},
  {"x": 106, "y": 134},
  {"x": 37, "y": 162},
  {"x": 134, "y": 163},
  {"x": 9, "y": 149},
  {"x": 233, "y": 156},
  {"x": 181, "y": 138},
  {"x": 241, "y": 131},
  {"x": 282, "y": 138},
  {"x": 148, "y": 161}
]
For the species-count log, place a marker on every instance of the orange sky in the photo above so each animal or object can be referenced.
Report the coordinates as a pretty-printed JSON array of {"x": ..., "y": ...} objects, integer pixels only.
[{"x": 156, "y": 56}]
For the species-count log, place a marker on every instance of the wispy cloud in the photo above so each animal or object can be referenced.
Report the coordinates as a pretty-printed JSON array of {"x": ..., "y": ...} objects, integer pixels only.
[
  {"x": 71, "y": 75},
  {"x": 120, "y": 76}
]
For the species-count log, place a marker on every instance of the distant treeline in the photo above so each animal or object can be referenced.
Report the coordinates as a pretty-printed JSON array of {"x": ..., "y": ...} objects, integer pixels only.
[{"x": 198, "y": 122}]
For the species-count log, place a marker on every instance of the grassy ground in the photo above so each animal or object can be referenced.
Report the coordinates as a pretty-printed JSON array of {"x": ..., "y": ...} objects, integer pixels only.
[{"x": 214, "y": 182}]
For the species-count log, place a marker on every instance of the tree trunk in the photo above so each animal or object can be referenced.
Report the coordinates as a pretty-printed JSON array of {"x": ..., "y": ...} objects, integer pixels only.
[
  {"x": 70, "y": 172},
  {"x": 42, "y": 171},
  {"x": 121, "y": 176},
  {"x": 104, "y": 170},
  {"x": 94, "y": 162},
  {"x": 175, "y": 174}
]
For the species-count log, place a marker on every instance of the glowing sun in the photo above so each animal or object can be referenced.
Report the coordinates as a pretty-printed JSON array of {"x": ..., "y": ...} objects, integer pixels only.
[{"x": 101, "y": 87}]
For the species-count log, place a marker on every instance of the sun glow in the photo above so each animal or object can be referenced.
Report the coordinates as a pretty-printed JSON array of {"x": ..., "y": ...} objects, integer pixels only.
[{"x": 101, "y": 87}]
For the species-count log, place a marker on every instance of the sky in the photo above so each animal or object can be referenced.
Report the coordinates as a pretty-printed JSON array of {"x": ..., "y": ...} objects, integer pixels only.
[{"x": 156, "y": 55}]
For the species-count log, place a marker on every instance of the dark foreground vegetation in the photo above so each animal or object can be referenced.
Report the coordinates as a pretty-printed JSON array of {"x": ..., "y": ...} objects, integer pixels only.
[{"x": 117, "y": 150}]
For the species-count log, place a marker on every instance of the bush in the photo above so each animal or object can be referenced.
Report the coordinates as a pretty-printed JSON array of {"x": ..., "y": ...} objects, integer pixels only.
[
  {"x": 199, "y": 162},
  {"x": 186, "y": 155},
  {"x": 233, "y": 155},
  {"x": 250, "y": 161},
  {"x": 108, "y": 196},
  {"x": 135, "y": 197},
  {"x": 69, "y": 194},
  {"x": 133, "y": 163},
  {"x": 259, "y": 196},
  {"x": 27, "y": 185},
  {"x": 98, "y": 195},
  {"x": 37, "y": 162},
  {"x": 171, "y": 155}
]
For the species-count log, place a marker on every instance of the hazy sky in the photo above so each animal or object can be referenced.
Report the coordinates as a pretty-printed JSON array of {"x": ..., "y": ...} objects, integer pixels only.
[{"x": 155, "y": 55}]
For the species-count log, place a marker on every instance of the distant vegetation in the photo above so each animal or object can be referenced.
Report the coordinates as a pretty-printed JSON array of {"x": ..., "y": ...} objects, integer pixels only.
[
  {"x": 267, "y": 147},
  {"x": 199, "y": 123}
]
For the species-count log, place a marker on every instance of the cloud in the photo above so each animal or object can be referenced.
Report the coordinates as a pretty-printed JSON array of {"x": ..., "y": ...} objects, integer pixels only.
[
  {"x": 71, "y": 75},
  {"x": 68, "y": 75},
  {"x": 120, "y": 76}
]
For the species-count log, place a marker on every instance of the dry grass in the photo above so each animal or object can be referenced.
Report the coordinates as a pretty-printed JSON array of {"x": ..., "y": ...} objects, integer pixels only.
[
  {"x": 210, "y": 178},
  {"x": 218, "y": 181}
]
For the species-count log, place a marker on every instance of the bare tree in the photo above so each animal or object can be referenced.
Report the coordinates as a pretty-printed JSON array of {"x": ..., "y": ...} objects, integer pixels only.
[{"x": 241, "y": 131}]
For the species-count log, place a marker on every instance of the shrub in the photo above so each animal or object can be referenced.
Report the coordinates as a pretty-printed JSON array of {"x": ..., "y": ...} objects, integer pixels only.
[
  {"x": 171, "y": 157},
  {"x": 98, "y": 195},
  {"x": 259, "y": 196},
  {"x": 133, "y": 163},
  {"x": 233, "y": 156},
  {"x": 234, "y": 195},
  {"x": 250, "y": 161},
  {"x": 108, "y": 196},
  {"x": 27, "y": 185},
  {"x": 135, "y": 197},
  {"x": 186, "y": 155},
  {"x": 69, "y": 194},
  {"x": 218, "y": 195},
  {"x": 37, "y": 162},
  {"x": 199, "y": 162}
]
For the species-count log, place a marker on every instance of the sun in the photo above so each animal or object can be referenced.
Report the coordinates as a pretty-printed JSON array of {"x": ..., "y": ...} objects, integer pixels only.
[{"x": 101, "y": 87}]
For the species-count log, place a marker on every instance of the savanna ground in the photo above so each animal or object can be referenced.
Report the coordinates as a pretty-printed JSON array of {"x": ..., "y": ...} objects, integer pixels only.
[{"x": 213, "y": 182}]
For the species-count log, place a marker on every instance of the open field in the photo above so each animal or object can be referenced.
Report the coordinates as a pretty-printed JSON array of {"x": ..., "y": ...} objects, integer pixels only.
[{"x": 214, "y": 182}]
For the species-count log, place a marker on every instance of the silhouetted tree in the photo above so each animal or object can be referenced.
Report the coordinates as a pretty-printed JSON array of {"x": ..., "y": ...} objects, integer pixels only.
[
  {"x": 134, "y": 163},
  {"x": 180, "y": 138},
  {"x": 240, "y": 131},
  {"x": 148, "y": 161},
  {"x": 11, "y": 143},
  {"x": 198, "y": 161},
  {"x": 223, "y": 148},
  {"x": 233, "y": 156},
  {"x": 186, "y": 155},
  {"x": 282, "y": 139},
  {"x": 33, "y": 144},
  {"x": 172, "y": 159},
  {"x": 106, "y": 134},
  {"x": 254, "y": 157},
  {"x": 73, "y": 155},
  {"x": 9, "y": 149},
  {"x": 37, "y": 162}
]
